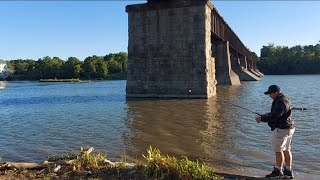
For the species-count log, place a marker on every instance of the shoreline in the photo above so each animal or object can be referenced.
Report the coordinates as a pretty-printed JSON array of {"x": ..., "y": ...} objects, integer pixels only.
[
  {"x": 65, "y": 80},
  {"x": 253, "y": 173},
  {"x": 128, "y": 169}
]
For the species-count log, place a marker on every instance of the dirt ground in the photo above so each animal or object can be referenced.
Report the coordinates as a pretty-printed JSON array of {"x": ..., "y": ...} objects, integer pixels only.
[{"x": 66, "y": 173}]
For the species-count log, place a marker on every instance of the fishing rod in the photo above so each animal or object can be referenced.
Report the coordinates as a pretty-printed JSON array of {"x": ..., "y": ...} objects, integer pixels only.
[
  {"x": 301, "y": 109},
  {"x": 243, "y": 108}
]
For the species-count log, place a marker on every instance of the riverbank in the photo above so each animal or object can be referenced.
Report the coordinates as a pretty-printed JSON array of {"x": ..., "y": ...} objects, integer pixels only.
[
  {"x": 87, "y": 165},
  {"x": 246, "y": 173},
  {"x": 64, "y": 80},
  {"x": 67, "y": 172},
  {"x": 130, "y": 171}
]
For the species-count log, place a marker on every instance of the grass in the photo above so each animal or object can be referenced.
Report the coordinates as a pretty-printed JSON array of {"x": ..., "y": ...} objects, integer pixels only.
[
  {"x": 63, "y": 80},
  {"x": 57, "y": 157},
  {"x": 153, "y": 166},
  {"x": 169, "y": 167},
  {"x": 89, "y": 161}
]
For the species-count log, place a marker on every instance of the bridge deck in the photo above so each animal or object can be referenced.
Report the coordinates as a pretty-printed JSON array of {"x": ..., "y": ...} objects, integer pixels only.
[{"x": 221, "y": 30}]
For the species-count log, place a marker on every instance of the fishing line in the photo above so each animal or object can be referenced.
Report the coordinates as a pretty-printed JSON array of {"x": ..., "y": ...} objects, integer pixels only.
[
  {"x": 301, "y": 109},
  {"x": 243, "y": 108}
]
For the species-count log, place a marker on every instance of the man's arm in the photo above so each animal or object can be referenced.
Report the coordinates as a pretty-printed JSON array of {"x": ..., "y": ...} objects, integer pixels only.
[{"x": 275, "y": 114}]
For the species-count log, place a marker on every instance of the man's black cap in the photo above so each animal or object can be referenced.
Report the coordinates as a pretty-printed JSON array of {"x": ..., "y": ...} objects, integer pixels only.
[{"x": 272, "y": 89}]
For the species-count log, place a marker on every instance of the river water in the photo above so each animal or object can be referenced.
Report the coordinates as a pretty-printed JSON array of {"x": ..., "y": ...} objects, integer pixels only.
[{"x": 38, "y": 119}]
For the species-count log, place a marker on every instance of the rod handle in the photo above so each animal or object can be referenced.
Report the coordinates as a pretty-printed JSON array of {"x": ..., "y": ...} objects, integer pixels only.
[{"x": 301, "y": 109}]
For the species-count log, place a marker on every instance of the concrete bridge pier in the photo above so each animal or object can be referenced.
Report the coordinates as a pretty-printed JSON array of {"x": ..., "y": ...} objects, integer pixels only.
[
  {"x": 224, "y": 73},
  {"x": 256, "y": 70},
  {"x": 169, "y": 50},
  {"x": 249, "y": 64},
  {"x": 243, "y": 62},
  {"x": 253, "y": 67},
  {"x": 246, "y": 70},
  {"x": 235, "y": 63}
]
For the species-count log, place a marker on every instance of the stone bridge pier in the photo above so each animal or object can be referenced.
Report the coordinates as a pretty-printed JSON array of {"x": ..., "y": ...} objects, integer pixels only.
[
  {"x": 175, "y": 51},
  {"x": 226, "y": 64}
]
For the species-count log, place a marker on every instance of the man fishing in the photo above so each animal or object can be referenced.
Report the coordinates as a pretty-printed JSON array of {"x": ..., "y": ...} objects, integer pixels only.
[{"x": 282, "y": 127}]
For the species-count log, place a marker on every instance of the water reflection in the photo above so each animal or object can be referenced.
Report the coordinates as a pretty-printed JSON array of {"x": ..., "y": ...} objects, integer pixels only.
[
  {"x": 207, "y": 129},
  {"x": 174, "y": 126},
  {"x": 194, "y": 128}
]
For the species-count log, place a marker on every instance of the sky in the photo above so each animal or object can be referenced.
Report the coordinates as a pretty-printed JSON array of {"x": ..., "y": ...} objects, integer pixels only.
[{"x": 34, "y": 29}]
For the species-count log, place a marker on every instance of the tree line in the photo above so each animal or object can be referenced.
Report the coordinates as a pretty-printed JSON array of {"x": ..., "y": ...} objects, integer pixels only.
[
  {"x": 294, "y": 60},
  {"x": 273, "y": 60},
  {"x": 111, "y": 66}
]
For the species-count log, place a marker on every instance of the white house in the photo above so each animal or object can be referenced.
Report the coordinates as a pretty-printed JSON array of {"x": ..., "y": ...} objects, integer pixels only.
[{"x": 3, "y": 69}]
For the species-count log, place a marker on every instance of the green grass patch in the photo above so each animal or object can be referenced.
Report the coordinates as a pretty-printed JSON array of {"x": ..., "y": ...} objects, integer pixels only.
[
  {"x": 89, "y": 161},
  {"x": 153, "y": 166},
  {"x": 63, "y": 80},
  {"x": 169, "y": 167},
  {"x": 57, "y": 157}
]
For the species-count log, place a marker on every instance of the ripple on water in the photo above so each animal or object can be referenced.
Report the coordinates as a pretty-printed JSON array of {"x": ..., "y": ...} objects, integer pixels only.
[{"x": 41, "y": 119}]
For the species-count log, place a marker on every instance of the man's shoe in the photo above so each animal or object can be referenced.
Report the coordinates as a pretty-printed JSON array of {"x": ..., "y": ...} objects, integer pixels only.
[
  {"x": 275, "y": 174},
  {"x": 288, "y": 174}
]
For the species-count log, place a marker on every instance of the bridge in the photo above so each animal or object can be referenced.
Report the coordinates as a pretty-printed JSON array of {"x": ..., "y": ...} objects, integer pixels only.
[{"x": 183, "y": 49}]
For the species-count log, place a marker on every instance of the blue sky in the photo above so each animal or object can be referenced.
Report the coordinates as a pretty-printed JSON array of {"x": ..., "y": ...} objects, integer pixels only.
[{"x": 34, "y": 29}]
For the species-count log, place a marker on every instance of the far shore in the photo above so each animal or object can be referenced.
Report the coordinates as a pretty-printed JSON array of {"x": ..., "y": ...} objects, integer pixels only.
[{"x": 64, "y": 80}]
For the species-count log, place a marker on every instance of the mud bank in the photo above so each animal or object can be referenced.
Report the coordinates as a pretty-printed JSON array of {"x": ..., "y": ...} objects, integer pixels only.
[{"x": 133, "y": 172}]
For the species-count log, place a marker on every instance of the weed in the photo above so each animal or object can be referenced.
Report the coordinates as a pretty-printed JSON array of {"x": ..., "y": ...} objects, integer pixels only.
[
  {"x": 89, "y": 161},
  {"x": 169, "y": 167}
]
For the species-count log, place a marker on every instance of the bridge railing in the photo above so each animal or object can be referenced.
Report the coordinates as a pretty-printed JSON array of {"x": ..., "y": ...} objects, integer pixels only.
[{"x": 222, "y": 30}]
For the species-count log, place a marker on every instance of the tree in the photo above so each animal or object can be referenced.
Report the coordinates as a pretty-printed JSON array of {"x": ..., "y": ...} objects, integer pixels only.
[
  {"x": 47, "y": 67},
  {"x": 294, "y": 60},
  {"x": 21, "y": 67},
  {"x": 94, "y": 67},
  {"x": 71, "y": 68},
  {"x": 114, "y": 66},
  {"x": 268, "y": 51},
  {"x": 121, "y": 58},
  {"x": 50, "y": 67}
]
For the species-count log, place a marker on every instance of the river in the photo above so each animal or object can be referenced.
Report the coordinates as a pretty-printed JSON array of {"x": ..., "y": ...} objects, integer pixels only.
[{"x": 38, "y": 119}]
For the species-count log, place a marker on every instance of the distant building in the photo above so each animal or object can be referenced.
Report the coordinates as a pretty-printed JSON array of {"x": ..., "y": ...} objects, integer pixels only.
[{"x": 3, "y": 69}]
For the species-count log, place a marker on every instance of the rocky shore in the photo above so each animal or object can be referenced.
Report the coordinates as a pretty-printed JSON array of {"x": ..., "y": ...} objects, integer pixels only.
[
  {"x": 129, "y": 172},
  {"x": 115, "y": 171},
  {"x": 87, "y": 165}
]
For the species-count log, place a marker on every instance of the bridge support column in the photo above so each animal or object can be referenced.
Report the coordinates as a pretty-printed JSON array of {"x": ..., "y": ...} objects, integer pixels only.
[
  {"x": 235, "y": 64},
  {"x": 224, "y": 72},
  {"x": 254, "y": 65},
  {"x": 247, "y": 73},
  {"x": 243, "y": 62},
  {"x": 250, "y": 65},
  {"x": 169, "y": 51}
]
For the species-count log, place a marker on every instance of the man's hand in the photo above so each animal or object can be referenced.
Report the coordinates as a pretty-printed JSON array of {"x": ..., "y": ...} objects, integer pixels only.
[{"x": 258, "y": 119}]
